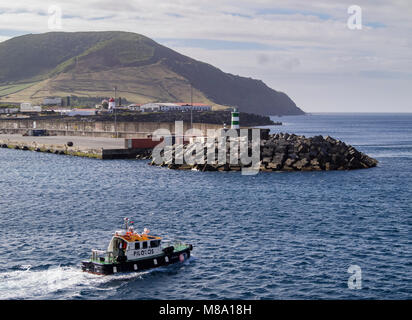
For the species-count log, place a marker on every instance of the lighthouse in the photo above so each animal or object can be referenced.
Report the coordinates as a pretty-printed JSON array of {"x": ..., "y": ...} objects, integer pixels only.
[
  {"x": 235, "y": 119},
  {"x": 112, "y": 104}
]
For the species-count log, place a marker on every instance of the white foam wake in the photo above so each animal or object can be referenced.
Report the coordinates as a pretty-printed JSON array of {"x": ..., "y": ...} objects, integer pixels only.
[{"x": 54, "y": 283}]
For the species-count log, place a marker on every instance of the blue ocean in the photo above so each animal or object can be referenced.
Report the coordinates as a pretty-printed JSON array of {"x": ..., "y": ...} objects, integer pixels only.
[{"x": 290, "y": 235}]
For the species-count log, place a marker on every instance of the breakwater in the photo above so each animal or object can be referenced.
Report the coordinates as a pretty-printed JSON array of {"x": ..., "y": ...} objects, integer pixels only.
[
  {"x": 204, "y": 117},
  {"x": 286, "y": 152},
  {"x": 56, "y": 149},
  {"x": 92, "y": 127},
  {"x": 124, "y": 125}
]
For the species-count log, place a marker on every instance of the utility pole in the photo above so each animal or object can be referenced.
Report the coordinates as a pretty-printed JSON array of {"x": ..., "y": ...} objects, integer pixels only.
[
  {"x": 191, "y": 106},
  {"x": 115, "y": 116}
]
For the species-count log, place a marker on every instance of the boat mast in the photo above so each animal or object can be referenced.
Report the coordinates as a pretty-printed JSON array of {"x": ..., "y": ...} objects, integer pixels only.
[
  {"x": 191, "y": 106},
  {"x": 126, "y": 222}
]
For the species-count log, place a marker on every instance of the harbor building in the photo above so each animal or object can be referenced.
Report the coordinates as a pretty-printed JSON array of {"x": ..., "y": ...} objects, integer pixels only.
[
  {"x": 52, "y": 101},
  {"x": 9, "y": 110},
  {"x": 82, "y": 112},
  {"x": 112, "y": 104},
  {"x": 27, "y": 107},
  {"x": 170, "y": 106}
]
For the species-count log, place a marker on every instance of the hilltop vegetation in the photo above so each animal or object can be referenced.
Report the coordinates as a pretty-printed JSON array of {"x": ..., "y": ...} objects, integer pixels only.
[{"x": 90, "y": 64}]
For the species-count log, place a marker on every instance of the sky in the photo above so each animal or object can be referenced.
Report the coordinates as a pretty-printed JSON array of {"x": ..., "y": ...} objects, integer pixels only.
[{"x": 324, "y": 55}]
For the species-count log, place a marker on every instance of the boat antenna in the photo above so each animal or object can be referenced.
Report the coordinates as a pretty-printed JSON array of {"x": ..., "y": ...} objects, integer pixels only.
[
  {"x": 126, "y": 222},
  {"x": 191, "y": 106}
]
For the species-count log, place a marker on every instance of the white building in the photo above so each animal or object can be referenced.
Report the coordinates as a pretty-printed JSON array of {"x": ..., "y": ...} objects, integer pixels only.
[
  {"x": 134, "y": 107},
  {"x": 166, "y": 106},
  {"x": 63, "y": 111},
  {"x": 112, "y": 104},
  {"x": 82, "y": 112},
  {"x": 9, "y": 110},
  {"x": 52, "y": 101},
  {"x": 27, "y": 107},
  {"x": 195, "y": 106},
  {"x": 153, "y": 107}
]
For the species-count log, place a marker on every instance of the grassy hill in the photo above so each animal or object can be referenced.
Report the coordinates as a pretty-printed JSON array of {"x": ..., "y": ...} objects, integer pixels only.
[{"x": 90, "y": 64}]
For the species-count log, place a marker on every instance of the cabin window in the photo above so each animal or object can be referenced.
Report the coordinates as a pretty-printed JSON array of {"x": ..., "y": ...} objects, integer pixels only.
[
  {"x": 137, "y": 246},
  {"x": 144, "y": 245},
  {"x": 154, "y": 243}
]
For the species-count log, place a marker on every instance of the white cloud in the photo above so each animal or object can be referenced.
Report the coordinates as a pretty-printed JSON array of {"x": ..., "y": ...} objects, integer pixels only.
[
  {"x": 3, "y": 38},
  {"x": 308, "y": 42}
]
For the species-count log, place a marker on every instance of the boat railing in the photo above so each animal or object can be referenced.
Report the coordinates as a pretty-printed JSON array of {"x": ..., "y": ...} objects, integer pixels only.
[
  {"x": 165, "y": 243},
  {"x": 175, "y": 243},
  {"x": 102, "y": 256}
]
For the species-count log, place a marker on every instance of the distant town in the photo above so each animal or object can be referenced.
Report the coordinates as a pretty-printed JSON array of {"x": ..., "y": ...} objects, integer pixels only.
[{"x": 62, "y": 106}]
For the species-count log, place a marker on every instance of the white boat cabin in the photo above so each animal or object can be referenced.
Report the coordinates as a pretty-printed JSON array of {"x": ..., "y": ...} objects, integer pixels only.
[{"x": 134, "y": 246}]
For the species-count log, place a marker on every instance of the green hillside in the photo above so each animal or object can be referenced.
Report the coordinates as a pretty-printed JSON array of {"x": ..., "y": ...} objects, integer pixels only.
[{"x": 90, "y": 64}]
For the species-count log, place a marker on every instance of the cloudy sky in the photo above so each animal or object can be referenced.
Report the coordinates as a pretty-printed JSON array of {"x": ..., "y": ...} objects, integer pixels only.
[{"x": 304, "y": 48}]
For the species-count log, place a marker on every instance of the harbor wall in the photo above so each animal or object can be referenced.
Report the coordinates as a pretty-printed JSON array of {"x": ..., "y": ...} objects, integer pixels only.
[{"x": 92, "y": 128}]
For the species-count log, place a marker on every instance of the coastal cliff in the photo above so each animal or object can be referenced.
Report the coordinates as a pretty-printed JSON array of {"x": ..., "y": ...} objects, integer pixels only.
[{"x": 90, "y": 64}]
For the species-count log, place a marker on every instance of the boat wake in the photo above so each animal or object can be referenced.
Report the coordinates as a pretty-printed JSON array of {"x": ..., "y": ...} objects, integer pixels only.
[{"x": 66, "y": 282}]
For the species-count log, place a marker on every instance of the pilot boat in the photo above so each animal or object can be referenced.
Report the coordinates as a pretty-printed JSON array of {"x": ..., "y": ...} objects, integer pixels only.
[{"x": 129, "y": 251}]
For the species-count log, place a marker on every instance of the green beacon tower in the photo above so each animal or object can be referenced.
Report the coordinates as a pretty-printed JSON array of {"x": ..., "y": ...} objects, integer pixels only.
[{"x": 235, "y": 119}]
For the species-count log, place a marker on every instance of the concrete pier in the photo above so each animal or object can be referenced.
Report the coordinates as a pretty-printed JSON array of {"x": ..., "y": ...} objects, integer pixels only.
[{"x": 92, "y": 147}]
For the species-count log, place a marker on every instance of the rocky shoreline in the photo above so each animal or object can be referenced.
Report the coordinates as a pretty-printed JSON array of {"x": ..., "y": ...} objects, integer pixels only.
[{"x": 290, "y": 152}]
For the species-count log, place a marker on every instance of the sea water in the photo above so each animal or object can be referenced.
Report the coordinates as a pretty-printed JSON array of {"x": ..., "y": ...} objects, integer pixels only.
[{"x": 289, "y": 235}]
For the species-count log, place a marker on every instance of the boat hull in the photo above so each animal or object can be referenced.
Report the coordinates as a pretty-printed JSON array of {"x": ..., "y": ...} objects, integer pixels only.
[{"x": 136, "y": 265}]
